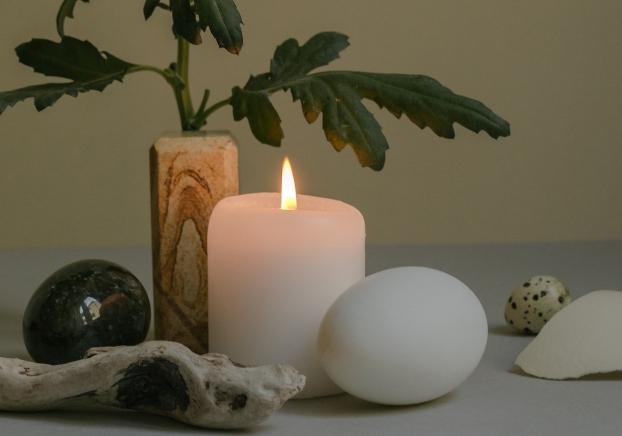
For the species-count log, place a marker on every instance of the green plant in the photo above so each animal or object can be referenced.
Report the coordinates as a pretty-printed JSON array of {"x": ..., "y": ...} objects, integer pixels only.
[{"x": 337, "y": 95}]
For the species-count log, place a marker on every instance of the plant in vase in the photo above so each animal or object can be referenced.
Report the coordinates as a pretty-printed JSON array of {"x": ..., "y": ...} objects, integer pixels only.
[{"x": 179, "y": 250}]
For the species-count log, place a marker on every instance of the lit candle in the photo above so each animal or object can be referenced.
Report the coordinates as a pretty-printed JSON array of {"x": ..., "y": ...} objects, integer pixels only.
[{"x": 276, "y": 263}]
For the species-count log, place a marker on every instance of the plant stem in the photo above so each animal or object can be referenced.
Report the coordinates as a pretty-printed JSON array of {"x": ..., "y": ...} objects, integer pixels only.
[
  {"x": 204, "y": 101},
  {"x": 138, "y": 68},
  {"x": 176, "y": 83},
  {"x": 201, "y": 116},
  {"x": 177, "y": 77},
  {"x": 216, "y": 106},
  {"x": 182, "y": 95}
]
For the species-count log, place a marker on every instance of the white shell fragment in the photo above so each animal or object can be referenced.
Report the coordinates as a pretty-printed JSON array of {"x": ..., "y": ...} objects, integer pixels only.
[
  {"x": 535, "y": 302},
  {"x": 584, "y": 338}
]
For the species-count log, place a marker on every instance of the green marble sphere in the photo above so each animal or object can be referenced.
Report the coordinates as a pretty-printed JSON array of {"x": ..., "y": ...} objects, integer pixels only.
[{"x": 90, "y": 303}]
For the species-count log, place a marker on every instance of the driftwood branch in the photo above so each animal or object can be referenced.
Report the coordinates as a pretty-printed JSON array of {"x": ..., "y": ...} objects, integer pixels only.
[{"x": 164, "y": 378}]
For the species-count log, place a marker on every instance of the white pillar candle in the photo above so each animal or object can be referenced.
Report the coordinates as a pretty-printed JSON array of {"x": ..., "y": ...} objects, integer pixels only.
[{"x": 274, "y": 270}]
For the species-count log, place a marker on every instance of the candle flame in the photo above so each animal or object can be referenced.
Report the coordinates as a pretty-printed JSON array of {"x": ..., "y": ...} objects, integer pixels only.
[{"x": 288, "y": 187}]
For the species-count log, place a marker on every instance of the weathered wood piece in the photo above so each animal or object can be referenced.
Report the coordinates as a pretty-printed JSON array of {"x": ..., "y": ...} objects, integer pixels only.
[
  {"x": 159, "y": 377},
  {"x": 190, "y": 173}
]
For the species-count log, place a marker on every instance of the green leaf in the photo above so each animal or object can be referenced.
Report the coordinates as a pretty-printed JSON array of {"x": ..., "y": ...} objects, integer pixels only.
[
  {"x": 338, "y": 96},
  {"x": 44, "y": 95},
  {"x": 224, "y": 21},
  {"x": 65, "y": 11},
  {"x": 71, "y": 59},
  {"x": 263, "y": 119},
  {"x": 291, "y": 60},
  {"x": 149, "y": 7},
  {"x": 79, "y": 61},
  {"x": 185, "y": 22}
]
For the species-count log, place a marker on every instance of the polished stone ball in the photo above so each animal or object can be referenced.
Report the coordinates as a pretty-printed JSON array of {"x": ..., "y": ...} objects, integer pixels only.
[{"x": 90, "y": 303}]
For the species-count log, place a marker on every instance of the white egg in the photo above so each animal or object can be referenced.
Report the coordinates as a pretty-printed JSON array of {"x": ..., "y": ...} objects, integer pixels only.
[{"x": 403, "y": 336}]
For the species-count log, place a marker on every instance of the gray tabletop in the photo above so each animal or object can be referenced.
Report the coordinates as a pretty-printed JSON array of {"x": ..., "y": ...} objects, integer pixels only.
[{"x": 495, "y": 400}]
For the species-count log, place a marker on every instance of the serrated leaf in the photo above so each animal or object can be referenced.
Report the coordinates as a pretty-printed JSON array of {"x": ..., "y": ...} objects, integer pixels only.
[
  {"x": 224, "y": 22},
  {"x": 291, "y": 60},
  {"x": 70, "y": 59},
  {"x": 185, "y": 22},
  {"x": 263, "y": 119},
  {"x": 86, "y": 67},
  {"x": 345, "y": 120},
  {"x": 44, "y": 95},
  {"x": 149, "y": 7},
  {"x": 65, "y": 11},
  {"x": 338, "y": 97}
]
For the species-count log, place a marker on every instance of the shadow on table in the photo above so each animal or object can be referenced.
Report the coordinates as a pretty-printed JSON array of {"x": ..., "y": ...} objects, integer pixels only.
[
  {"x": 504, "y": 330},
  {"x": 11, "y": 342},
  {"x": 347, "y": 406},
  {"x": 605, "y": 376},
  {"x": 122, "y": 420}
]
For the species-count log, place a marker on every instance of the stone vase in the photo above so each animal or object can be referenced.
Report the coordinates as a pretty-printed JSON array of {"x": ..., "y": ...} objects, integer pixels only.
[{"x": 190, "y": 173}]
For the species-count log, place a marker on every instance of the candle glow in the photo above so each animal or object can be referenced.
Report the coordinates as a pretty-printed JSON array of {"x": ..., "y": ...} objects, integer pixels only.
[{"x": 288, "y": 187}]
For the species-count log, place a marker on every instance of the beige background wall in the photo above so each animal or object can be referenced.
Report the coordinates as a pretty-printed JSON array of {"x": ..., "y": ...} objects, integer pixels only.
[{"x": 76, "y": 174}]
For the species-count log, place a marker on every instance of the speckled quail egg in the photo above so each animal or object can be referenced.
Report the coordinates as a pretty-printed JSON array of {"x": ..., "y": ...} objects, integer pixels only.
[{"x": 531, "y": 305}]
